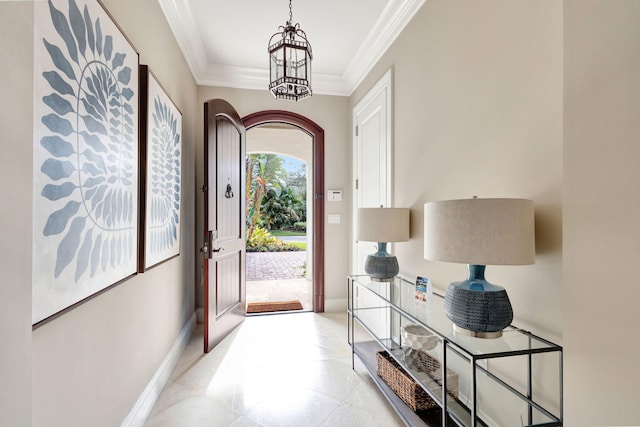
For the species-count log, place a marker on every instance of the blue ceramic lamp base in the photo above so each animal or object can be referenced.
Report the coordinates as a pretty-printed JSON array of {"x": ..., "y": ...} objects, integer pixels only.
[
  {"x": 381, "y": 266},
  {"x": 477, "y": 307}
]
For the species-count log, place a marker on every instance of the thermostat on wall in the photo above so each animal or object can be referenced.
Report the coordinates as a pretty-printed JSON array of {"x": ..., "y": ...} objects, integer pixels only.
[{"x": 334, "y": 195}]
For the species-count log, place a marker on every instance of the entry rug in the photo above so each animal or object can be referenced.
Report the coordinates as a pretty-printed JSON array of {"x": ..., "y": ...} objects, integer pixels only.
[{"x": 266, "y": 307}]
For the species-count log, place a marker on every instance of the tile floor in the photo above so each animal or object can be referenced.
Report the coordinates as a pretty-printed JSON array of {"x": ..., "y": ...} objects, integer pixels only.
[{"x": 275, "y": 370}]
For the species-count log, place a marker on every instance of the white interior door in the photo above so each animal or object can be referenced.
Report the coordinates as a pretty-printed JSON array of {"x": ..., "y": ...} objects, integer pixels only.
[{"x": 372, "y": 161}]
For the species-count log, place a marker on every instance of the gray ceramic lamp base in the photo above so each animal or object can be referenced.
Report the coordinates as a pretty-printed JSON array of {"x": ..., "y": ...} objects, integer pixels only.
[
  {"x": 381, "y": 266},
  {"x": 477, "y": 307}
]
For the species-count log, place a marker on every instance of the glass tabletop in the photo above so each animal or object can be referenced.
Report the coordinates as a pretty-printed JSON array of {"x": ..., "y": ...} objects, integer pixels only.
[{"x": 400, "y": 293}]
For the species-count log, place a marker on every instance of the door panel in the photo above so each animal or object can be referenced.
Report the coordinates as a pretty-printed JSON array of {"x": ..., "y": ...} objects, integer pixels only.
[
  {"x": 229, "y": 295},
  {"x": 372, "y": 157},
  {"x": 224, "y": 246},
  {"x": 372, "y": 160},
  {"x": 229, "y": 181}
]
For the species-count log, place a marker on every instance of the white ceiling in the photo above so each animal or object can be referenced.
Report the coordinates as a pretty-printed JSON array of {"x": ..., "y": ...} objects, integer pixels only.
[{"x": 225, "y": 41}]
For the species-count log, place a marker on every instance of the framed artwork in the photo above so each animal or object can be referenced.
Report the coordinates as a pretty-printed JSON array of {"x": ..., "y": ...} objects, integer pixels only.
[
  {"x": 85, "y": 153},
  {"x": 160, "y": 173}
]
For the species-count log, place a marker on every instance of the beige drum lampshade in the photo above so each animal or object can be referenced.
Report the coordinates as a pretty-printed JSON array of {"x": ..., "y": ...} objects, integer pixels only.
[
  {"x": 480, "y": 231},
  {"x": 383, "y": 224}
]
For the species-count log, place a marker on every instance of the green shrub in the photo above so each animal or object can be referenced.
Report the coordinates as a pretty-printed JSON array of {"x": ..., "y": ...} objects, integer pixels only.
[
  {"x": 263, "y": 241},
  {"x": 300, "y": 226}
]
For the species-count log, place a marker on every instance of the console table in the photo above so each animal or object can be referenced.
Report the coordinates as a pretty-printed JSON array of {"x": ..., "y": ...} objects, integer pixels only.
[{"x": 514, "y": 380}]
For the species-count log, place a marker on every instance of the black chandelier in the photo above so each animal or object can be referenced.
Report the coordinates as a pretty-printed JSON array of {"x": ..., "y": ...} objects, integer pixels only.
[{"x": 290, "y": 62}]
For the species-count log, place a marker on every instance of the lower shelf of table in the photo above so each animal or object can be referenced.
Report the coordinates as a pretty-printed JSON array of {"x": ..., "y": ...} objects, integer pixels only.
[{"x": 366, "y": 352}]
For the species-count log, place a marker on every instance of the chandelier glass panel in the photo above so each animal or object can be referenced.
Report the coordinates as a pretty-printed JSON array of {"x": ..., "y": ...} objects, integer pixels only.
[{"x": 290, "y": 62}]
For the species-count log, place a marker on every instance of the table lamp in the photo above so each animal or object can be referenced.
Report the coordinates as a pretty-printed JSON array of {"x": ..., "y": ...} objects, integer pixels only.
[
  {"x": 479, "y": 232},
  {"x": 382, "y": 225}
]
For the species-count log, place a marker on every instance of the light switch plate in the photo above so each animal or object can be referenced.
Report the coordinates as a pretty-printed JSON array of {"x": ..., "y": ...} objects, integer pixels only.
[{"x": 333, "y": 218}]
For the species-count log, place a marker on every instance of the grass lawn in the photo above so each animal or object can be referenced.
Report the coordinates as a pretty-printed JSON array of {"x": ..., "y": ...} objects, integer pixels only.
[
  {"x": 287, "y": 233},
  {"x": 301, "y": 245}
]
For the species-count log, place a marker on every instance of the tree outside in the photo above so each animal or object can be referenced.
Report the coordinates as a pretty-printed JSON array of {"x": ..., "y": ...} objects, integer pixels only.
[{"x": 276, "y": 201}]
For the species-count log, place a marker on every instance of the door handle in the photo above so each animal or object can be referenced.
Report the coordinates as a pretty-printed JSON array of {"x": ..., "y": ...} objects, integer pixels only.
[{"x": 208, "y": 243}]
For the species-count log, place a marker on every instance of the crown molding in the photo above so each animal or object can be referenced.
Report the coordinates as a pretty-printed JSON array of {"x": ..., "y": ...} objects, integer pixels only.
[
  {"x": 258, "y": 78},
  {"x": 182, "y": 23},
  {"x": 394, "y": 17},
  {"x": 231, "y": 76}
]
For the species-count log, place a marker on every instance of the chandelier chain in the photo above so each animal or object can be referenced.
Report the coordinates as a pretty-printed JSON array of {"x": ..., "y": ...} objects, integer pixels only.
[{"x": 290, "y": 13}]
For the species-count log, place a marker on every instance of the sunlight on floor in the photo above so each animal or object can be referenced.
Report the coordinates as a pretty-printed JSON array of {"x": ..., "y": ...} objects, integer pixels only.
[{"x": 279, "y": 370}]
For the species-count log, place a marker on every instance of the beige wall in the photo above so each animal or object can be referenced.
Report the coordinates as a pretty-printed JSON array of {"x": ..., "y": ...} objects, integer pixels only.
[
  {"x": 289, "y": 141},
  {"x": 601, "y": 211},
  {"x": 478, "y": 111},
  {"x": 539, "y": 100},
  {"x": 477, "y": 107},
  {"x": 332, "y": 114},
  {"x": 16, "y": 110},
  {"x": 89, "y": 366}
]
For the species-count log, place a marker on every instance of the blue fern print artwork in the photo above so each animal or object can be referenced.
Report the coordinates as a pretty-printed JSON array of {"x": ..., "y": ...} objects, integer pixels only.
[
  {"x": 164, "y": 146},
  {"x": 85, "y": 154}
]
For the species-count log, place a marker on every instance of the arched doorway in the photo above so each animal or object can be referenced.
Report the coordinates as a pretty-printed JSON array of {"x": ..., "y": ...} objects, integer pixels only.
[{"x": 317, "y": 135}]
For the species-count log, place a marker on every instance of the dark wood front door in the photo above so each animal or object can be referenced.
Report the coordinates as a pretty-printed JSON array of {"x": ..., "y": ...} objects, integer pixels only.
[{"x": 224, "y": 222}]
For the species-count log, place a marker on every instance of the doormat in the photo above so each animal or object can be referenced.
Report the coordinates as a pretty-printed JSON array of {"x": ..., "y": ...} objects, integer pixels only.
[{"x": 265, "y": 307}]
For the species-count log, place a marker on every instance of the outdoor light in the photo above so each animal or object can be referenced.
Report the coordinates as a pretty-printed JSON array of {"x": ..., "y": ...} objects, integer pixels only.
[
  {"x": 290, "y": 62},
  {"x": 479, "y": 232}
]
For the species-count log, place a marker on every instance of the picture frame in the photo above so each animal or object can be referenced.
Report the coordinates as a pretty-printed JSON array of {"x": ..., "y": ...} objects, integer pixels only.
[
  {"x": 85, "y": 154},
  {"x": 160, "y": 173}
]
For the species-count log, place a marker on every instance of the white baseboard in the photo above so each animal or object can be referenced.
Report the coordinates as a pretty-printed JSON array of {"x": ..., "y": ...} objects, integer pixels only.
[
  {"x": 333, "y": 305},
  {"x": 147, "y": 399}
]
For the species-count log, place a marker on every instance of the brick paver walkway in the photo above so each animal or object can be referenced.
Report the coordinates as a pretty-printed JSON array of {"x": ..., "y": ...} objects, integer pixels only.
[{"x": 275, "y": 265}]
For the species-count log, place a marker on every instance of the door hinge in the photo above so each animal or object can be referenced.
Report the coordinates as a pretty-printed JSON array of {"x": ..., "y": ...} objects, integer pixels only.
[
  {"x": 356, "y": 184},
  {"x": 356, "y": 130},
  {"x": 204, "y": 188}
]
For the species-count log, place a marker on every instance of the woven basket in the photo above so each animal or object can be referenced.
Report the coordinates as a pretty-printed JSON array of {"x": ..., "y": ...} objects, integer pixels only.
[
  {"x": 402, "y": 384},
  {"x": 422, "y": 362}
]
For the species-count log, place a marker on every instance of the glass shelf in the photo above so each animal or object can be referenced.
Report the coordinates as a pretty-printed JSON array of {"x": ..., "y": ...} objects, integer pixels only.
[
  {"x": 400, "y": 293},
  {"x": 383, "y": 309}
]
